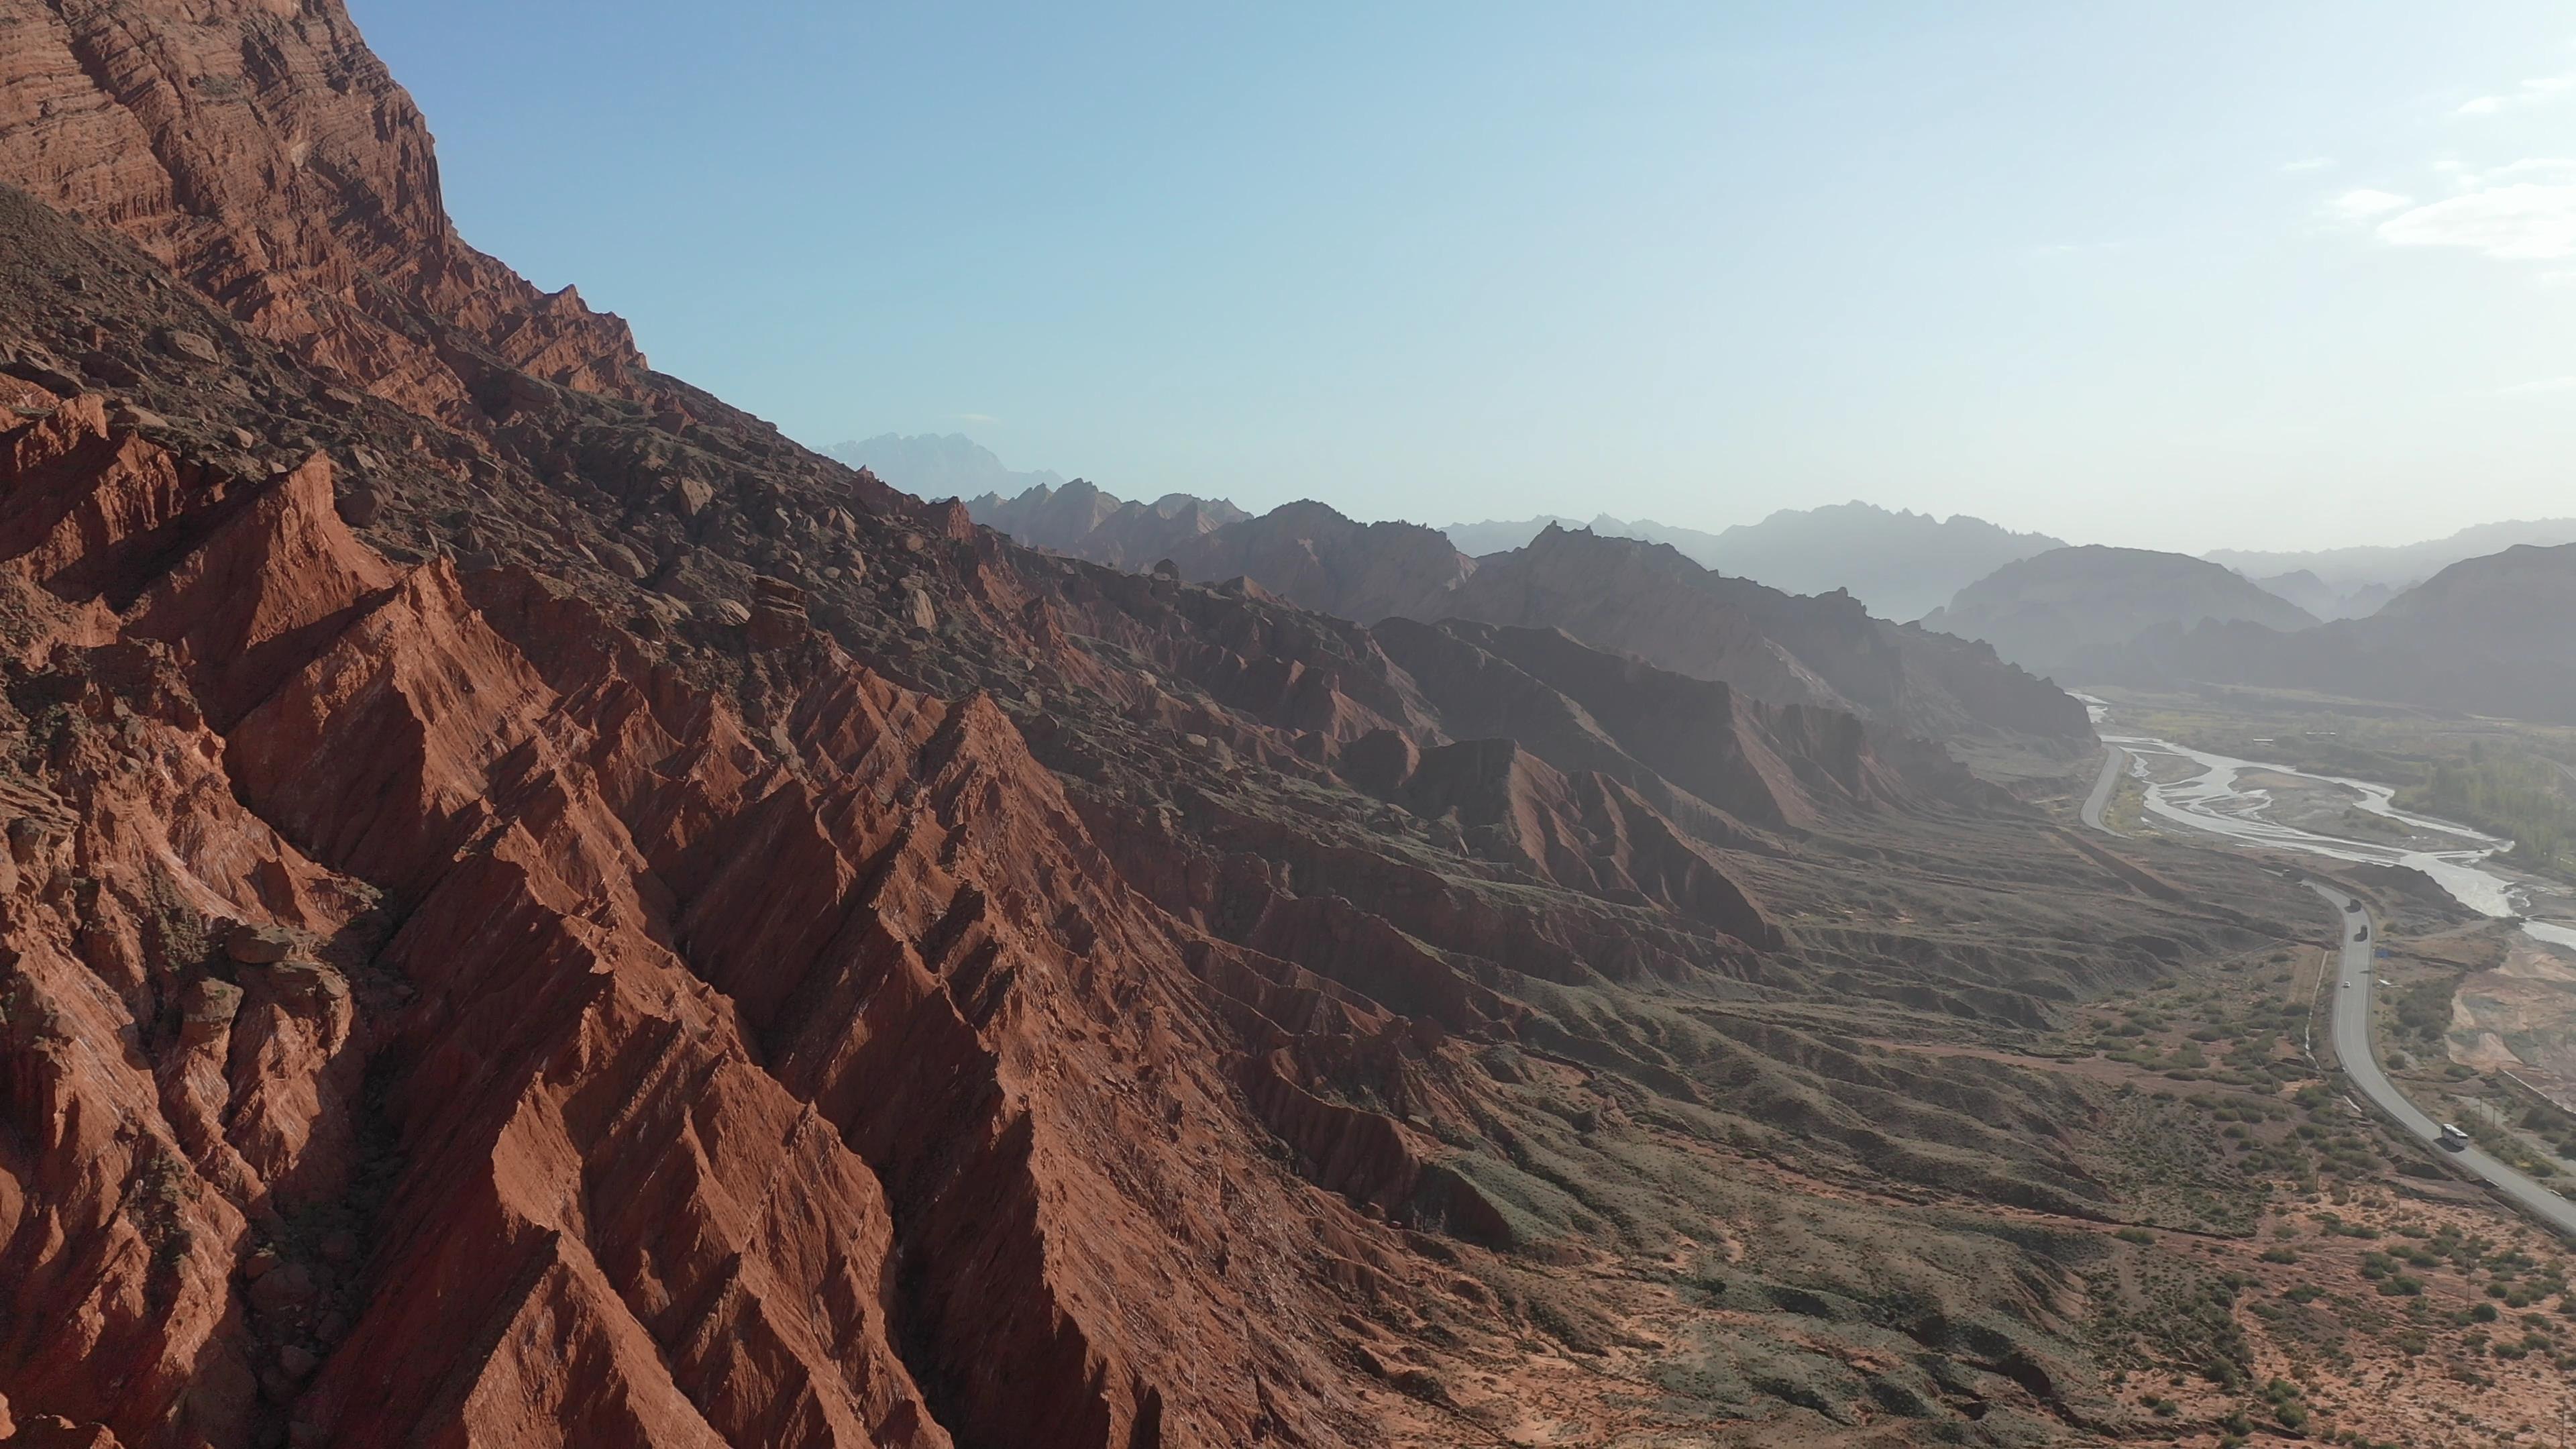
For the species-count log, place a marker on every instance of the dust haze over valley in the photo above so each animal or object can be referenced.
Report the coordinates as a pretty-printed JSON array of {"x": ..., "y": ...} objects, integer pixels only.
[{"x": 539, "y": 909}]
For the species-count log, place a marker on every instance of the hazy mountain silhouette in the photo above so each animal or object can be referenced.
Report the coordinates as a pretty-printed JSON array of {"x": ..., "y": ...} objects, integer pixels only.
[
  {"x": 939, "y": 465},
  {"x": 1081, "y": 520},
  {"x": 2324, "y": 600},
  {"x": 2485, "y": 636},
  {"x": 1646, "y": 600},
  {"x": 2071, "y": 605},
  {"x": 1900, "y": 564},
  {"x": 2400, "y": 566}
]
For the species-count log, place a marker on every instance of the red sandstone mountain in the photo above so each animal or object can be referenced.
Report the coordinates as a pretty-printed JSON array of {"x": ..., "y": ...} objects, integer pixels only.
[
  {"x": 538, "y": 912},
  {"x": 263, "y": 154}
]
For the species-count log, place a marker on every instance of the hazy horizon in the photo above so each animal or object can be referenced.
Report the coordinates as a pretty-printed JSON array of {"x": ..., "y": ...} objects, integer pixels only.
[
  {"x": 1021, "y": 484},
  {"x": 2107, "y": 276}
]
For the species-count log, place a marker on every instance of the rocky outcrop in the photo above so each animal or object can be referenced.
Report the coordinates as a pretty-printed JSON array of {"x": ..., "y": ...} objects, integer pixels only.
[{"x": 265, "y": 155}]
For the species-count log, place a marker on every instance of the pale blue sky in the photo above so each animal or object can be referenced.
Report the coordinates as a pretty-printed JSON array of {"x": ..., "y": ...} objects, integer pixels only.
[{"x": 2180, "y": 275}]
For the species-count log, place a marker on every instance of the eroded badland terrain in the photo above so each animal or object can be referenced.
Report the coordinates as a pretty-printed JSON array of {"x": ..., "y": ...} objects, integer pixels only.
[{"x": 538, "y": 911}]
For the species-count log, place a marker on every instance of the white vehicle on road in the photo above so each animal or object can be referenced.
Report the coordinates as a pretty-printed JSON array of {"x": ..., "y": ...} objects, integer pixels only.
[{"x": 2453, "y": 1139}]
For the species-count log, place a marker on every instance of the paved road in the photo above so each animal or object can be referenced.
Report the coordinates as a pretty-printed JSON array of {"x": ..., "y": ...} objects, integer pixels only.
[
  {"x": 2112, "y": 764},
  {"x": 2353, "y": 987}
]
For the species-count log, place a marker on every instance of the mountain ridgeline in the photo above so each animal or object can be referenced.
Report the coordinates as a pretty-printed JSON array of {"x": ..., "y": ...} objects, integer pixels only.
[
  {"x": 2484, "y": 636},
  {"x": 2063, "y": 611},
  {"x": 1623, "y": 594},
  {"x": 1900, "y": 565},
  {"x": 2392, "y": 569},
  {"x": 1077, "y": 518}
]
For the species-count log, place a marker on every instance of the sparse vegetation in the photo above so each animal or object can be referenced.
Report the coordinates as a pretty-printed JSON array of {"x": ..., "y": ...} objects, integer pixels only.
[{"x": 2509, "y": 792}]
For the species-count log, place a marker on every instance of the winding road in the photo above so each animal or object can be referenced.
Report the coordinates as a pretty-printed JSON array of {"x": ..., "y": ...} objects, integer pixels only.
[
  {"x": 2102, "y": 788},
  {"x": 2361, "y": 1063},
  {"x": 2354, "y": 984}
]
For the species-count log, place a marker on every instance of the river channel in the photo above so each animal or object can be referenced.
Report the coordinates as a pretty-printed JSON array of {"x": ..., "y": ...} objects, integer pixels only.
[{"x": 2207, "y": 792}]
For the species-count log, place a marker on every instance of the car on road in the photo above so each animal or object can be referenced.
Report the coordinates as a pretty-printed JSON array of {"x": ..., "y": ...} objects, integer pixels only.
[
  {"x": 2362, "y": 935},
  {"x": 2354, "y": 906},
  {"x": 2453, "y": 1139}
]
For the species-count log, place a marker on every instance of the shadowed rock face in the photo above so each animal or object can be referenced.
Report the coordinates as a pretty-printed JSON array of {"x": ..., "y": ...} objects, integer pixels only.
[{"x": 535, "y": 911}]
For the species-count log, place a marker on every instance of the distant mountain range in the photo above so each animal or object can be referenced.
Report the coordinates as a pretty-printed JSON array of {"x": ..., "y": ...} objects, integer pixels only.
[
  {"x": 2486, "y": 636},
  {"x": 2303, "y": 588},
  {"x": 2345, "y": 570},
  {"x": 939, "y": 465},
  {"x": 1751, "y": 606},
  {"x": 1080, "y": 520},
  {"x": 1642, "y": 599},
  {"x": 1900, "y": 565},
  {"x": 2063, "y": 609}
]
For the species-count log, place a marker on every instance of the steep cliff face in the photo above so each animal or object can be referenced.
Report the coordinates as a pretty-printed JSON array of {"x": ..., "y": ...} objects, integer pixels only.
[{"x": 263, "y": 153}]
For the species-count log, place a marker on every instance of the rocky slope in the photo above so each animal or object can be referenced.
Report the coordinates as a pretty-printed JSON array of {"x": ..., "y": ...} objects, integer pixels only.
[
  {"x": 2067, "y": 609},
  {"x": 537, "y": 911}
]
